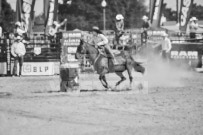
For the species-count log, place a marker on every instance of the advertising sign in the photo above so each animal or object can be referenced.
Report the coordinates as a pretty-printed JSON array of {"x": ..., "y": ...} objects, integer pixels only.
[
  {"x": 24, "y": 13},
  {"x": 185, "y": 9},
  {"x": 156, "y": 12},
  {"x": 184, "y": 54},
  {"x": 38, "y": 68}
]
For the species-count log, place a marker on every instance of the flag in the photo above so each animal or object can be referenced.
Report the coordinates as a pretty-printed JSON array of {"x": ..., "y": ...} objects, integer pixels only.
[
  {"x": 151, "y": 9},
  {"x": 155, "y": 12},
  {"x": 50, "y": 13},
  {"x": 184, "y": 16},
  {"x": 24, "y": 14}
]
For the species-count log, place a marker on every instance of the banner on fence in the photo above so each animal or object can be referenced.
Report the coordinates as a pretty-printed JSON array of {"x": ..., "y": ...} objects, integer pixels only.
[
  {"x": 155, "y": 12},
  {"x": 185, "y": 9},
  {"x": 25, "y": 14},
  {"x": 50, "y": 11},
  {"x": 38, "y": 68}
]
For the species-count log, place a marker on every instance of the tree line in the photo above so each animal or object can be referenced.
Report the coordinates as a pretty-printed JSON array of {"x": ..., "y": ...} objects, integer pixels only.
[{"x": 83, "y": 14}]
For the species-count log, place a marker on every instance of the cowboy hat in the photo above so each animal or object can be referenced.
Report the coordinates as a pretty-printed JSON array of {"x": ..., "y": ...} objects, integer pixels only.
[
  {"x": 18, "y": 24},
  {"x": 96, "y": 29},
  {"x": 144, "y": 17},
  {"x": 18, "y": 38},
  {"x": 193, "y": 19},
  {"x": 119, "y": 17}
]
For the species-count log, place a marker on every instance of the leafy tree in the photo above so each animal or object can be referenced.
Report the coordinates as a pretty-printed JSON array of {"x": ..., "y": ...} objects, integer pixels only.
[
  {"x": 84, "y": 14},
  {"x": 7, "y": 19},
  {"x": 197, "y": 11}
]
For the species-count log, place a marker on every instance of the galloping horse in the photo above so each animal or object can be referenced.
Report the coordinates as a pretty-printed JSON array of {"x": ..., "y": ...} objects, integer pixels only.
[{"x": 103, "y": 65}]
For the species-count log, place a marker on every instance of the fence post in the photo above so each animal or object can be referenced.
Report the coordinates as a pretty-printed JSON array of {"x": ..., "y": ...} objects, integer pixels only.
[{"x": 8, "y": 56}]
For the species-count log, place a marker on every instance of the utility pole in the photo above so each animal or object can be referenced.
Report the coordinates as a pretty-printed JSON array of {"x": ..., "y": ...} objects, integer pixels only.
[{"x": 0, "y": 10}]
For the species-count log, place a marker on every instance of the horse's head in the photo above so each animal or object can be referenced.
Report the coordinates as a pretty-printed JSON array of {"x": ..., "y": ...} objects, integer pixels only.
[{"x": 86, "y": 48}]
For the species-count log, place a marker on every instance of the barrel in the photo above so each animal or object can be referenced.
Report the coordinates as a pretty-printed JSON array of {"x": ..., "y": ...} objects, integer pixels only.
[{"x": 69, "y": 77}]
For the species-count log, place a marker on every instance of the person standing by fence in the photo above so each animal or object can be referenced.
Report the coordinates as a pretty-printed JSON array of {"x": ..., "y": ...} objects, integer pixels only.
[
  {"x": 145, "y": 26},
  {"x": 119, "y": 27},
  {"x": 166, "y": 47},
  {"x": 193, "y": 26},
  {"x": 18, "y": 51}
]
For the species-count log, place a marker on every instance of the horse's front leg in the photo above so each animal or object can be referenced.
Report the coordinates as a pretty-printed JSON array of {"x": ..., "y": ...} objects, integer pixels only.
[{"x": 102, "y": 81}]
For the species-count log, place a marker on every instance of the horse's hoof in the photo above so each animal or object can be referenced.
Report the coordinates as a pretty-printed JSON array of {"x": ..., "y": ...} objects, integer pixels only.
[{"x": 109, "y": 89}]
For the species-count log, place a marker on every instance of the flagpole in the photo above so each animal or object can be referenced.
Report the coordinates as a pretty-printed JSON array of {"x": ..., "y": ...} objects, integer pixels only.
[
  {"x": 0, "y": 9},
  {"x": 177, "y": 11}
]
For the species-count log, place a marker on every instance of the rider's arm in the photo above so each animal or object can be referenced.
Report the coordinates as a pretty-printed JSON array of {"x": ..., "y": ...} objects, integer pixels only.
[
  {"x": 104, "y": 40},
  {"x": 169, "y": 45},
  {"x": 13, "y": 49},
  {"x": 122, "y": 26},
  {"x": 117, "y": 26},
  {"x": 20, "y": 31}
]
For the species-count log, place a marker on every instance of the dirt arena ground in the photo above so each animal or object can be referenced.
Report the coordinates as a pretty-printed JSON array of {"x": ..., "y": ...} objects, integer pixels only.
[{"x": 167, "y": 105}]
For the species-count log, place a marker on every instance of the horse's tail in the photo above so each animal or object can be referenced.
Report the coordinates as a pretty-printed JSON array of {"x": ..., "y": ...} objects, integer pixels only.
[{"x": 137, "y": 66}]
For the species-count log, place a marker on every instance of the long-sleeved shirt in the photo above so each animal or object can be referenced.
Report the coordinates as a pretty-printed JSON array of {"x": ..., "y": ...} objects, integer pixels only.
[
  {"x": 166, "y": 45},
  {"x": 1, "y": 33},
  {"x": 100, "y": 39},
  {"x": 120, "y": 25},
  {"x": 193, "y": 27},
  {"x": 18, "y": 49}
]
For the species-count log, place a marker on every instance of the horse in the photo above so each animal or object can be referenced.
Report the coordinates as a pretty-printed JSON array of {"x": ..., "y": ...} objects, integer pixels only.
[{"x": 103, "y": 65}]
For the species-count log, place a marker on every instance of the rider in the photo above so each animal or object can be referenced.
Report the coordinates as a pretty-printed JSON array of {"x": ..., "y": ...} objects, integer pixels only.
[
  {"x": 119, "y": 27},
  {"x": 55, "y": 27},
  {"x": 99, "y": 40}
]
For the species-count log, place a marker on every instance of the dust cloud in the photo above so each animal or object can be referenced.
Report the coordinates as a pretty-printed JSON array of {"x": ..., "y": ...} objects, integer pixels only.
[{"x": 163, "y": 73}]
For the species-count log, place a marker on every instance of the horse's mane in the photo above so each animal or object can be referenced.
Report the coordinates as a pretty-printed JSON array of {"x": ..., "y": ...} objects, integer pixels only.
[{"x": 91, "y": 46}]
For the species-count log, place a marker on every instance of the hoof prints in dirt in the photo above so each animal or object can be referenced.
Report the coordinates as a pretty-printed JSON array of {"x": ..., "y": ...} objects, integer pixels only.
[{"x": 5, "y": 94}]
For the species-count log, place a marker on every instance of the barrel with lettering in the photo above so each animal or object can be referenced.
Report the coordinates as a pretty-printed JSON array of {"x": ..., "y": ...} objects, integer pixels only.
[
  {"x": 69, "y": 78},
  {"x": 69, "y": 68}
]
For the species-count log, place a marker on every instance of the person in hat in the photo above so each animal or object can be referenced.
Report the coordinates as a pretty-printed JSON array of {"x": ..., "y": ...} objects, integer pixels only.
[
  {"x": 55, "y": 27},
  {"x": 18, "y": 51},
  {"x": 99, "y": 39},
  {"x": 193, "y": 26},
  {"x": 166, "y": 46},
  {"x": 19, "y": 31},
  {"x": 145, "y": 26},
  {"x": 119, "y": 27}
]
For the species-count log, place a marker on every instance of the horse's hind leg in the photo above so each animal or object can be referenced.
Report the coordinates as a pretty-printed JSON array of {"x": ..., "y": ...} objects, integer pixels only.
[
  {"x": 102, "y": 81},
  {"x": 129, "y": 69},
  {"x": 121, "y": 76}
]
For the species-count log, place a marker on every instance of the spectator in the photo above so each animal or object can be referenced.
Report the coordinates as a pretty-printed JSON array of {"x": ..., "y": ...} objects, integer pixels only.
[
  {"x": 55, "y": 27},
  {"x": 119, "y": 27},
  {"x": 193, "y": 26},
  {"x": 18, "y": 51},
  {"x": 145, "y": 26},
  {"x": 19, "y": 31},
  {"x": 163, "y": 20},
  {"x": 166, "y": 47}
]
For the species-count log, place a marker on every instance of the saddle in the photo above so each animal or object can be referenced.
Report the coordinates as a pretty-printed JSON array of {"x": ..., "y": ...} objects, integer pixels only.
[{"x": 102, "y": 51}]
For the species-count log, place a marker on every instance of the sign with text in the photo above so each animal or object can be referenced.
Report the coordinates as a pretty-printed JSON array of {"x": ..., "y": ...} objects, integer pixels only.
[
  {"x": 184, "y": 54},
  {"x": 70, "y": 42},
  {"x": 185, "y": 10},
  {"x": 71, "y": 34},
  {"x": 38, "y": 68}
]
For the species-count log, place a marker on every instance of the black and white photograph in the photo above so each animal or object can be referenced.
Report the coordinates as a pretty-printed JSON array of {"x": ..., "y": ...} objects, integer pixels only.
[{"x": 101, "y": 67}]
